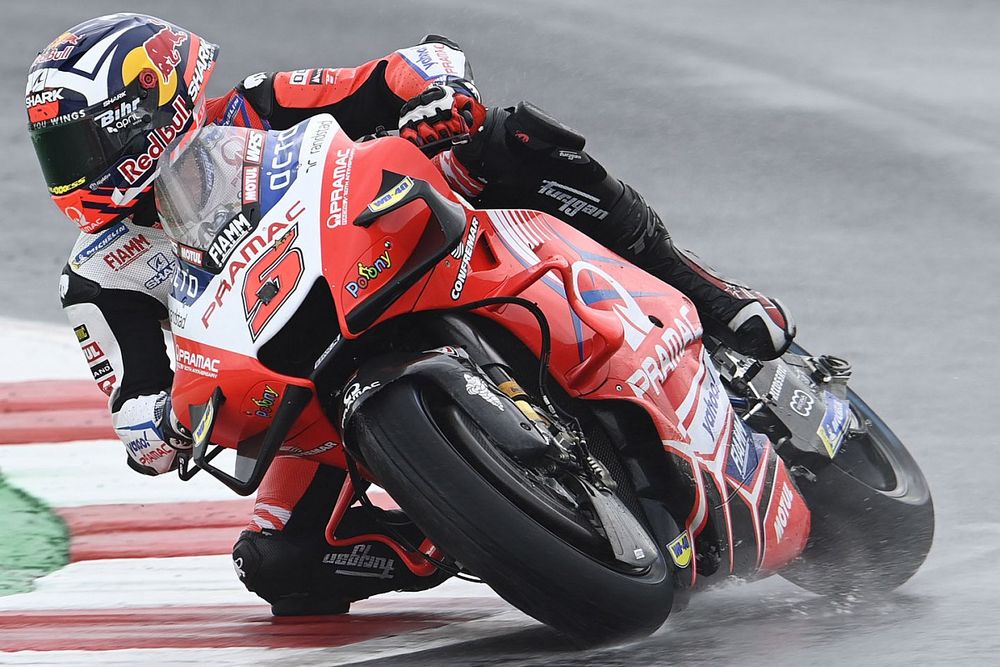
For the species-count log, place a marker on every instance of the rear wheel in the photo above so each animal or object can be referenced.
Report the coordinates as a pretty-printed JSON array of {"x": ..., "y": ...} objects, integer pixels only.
[
  {"x": 872, "y": 514},
  {"x": 502, "y": 521}
]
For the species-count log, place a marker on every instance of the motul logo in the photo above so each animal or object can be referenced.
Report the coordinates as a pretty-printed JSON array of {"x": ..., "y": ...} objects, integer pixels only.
[
  {"x": 92, "y": 351},
  {"x": 251, "y": 182},
  {"x": 133, "y": 169}
]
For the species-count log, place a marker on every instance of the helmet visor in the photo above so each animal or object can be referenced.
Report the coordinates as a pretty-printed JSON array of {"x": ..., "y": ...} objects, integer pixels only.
[
  {"x": 200, "y": 184},
  {"x": 78, "y": 151}
]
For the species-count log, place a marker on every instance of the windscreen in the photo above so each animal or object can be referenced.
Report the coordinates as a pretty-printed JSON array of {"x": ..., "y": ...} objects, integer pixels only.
[{"x": 199, "y": 187}]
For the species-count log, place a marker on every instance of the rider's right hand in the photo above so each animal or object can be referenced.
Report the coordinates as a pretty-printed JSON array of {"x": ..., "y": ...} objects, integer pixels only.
[
  {"x": 444, "y": 109},
  {"x": 153, "y": 436}
]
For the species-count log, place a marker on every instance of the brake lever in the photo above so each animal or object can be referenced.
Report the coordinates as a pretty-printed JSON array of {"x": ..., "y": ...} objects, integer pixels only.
[{"x": 435, "y": 147}]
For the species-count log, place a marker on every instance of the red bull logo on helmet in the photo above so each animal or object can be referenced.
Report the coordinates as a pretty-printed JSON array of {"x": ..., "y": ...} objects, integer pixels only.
[
  {"x": 59, "y": 49},
  {"x": 162, "y": 51},
  {"x": 134, "y": 169}
]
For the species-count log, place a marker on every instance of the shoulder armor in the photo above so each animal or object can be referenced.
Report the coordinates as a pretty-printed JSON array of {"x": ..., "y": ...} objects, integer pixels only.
[
  {"x": 258, "y": 90},
  {"x": 440, "y": 39}
]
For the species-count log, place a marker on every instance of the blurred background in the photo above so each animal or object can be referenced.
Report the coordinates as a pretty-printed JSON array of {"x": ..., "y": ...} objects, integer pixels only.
[{"x": 841, "y": 155}]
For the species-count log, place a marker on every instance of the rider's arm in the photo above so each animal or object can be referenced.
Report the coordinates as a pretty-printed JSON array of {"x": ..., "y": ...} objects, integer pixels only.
[
  {"x": 112, "y": 292},
  {"x": 360, "y": 98}
]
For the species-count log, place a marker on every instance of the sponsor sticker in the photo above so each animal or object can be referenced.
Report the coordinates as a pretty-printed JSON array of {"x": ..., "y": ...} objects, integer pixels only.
[
  {"x": 163, "y": 269},
  {"x": 784, "y": 507},
  {"x": 367, "y": 274},
  {"x": 162, "y": 51},
  {"x": 573, "y": 201},
  {"x": 833, "y": 428},
  {"x": 130, "y": 251},
  {"x": 801, "y": 403},
  {"x": 465, "y": 260},
  {"x": 315, "y": 451},
  {"x": 339, "y": 186},
  {"x": 392, "y": 196},
  {"x": 81, "y": 333},
  {"x": 745, "y": 450},
  {"x": 105, "y": 239},
  {"x": 196, "y": 363},
  {"x": 202, "y": 66},
  {"x": 59, "y": 49},
  {"x": 134, "y": 169},
  {"x": 100, "y": 370},
  {"x": 475, "y": 386},
  {"x": 355, "y": 391},
  {"x": 191, "y": 255},
  {"x": 251, "y": 185},
  {"x": 92, "y": 351},
  {"x": 120, "y": 116},
  {"x": 228, "y": 238},
  {"x": 255, "y": 147},
  {"x": 680, "y": 550},
  {"x": 263, "y": 406},
  {"x": 200, "y": 433}
]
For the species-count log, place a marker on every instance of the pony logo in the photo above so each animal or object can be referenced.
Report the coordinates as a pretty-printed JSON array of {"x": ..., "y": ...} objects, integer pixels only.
[{"x": 161, "y": 49}]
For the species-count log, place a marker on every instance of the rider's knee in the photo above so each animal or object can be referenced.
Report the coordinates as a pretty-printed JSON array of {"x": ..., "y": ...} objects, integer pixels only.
[{"x": 269, "y": 565}]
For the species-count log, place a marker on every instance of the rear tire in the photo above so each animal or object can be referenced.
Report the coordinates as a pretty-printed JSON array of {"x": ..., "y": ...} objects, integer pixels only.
[
  {"x": 464, "y": 493},
  {"x": 872, "y": 515}
]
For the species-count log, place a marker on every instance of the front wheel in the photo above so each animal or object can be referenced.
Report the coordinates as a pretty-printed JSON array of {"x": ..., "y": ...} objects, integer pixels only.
[{"x": 495, "y": 518}]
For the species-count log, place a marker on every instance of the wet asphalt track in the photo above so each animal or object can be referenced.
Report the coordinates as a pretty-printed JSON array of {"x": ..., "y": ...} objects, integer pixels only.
[{"x": 842, "y": 155}]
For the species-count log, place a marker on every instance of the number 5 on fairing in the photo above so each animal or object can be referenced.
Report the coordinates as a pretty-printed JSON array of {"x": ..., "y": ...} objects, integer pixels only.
[{"x": 271, "y": 279}]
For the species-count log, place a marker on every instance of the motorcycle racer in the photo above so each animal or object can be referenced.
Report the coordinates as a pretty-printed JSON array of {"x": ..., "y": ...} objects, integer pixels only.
[{"x": 105, "y": 99}]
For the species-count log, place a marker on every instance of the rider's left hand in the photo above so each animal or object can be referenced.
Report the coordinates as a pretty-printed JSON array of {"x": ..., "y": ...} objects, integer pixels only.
[{"x": 444, "y": 109}]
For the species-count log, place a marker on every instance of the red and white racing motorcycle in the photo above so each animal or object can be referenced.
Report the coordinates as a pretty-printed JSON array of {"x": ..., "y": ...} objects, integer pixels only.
[{"x": 548, "y": 414}]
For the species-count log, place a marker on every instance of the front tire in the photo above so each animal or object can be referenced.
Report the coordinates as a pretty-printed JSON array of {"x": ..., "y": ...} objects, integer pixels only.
[{"x": 463, "y": 492}]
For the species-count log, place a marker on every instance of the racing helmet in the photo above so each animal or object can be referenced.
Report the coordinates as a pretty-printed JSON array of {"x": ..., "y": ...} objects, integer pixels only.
[{"x": 104, "y": 100}]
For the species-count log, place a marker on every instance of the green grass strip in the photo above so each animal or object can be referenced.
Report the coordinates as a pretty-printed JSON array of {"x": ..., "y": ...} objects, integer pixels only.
[{"x": 33, "y": 540}]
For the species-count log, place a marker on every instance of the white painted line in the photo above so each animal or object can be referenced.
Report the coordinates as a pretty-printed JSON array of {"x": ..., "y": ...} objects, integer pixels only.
[
  {"x": 38, "y": 351},
  {"x": 185, "y": 581},
  {"x": 94, "y": 473}
]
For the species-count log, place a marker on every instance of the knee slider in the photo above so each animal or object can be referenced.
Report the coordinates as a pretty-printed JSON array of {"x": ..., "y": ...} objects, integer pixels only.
[
  {"x": 74, "y": 288},
  {"x": 269, "y": 565}
]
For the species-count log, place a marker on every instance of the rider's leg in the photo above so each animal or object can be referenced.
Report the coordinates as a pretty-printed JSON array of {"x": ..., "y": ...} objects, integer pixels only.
[
  {"x": 283, "y": 555},
  {"x": 523, "y": 158}
]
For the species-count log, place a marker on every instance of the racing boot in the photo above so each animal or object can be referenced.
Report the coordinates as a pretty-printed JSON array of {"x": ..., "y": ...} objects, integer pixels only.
[
  {"x": 524, "y": 158},
  {"x": 741, "y": 317},
  {"x": 307, "y": 578}
]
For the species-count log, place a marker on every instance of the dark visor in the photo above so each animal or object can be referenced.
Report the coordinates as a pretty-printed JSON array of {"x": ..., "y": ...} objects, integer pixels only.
[{"x": 78, "y": 151}]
